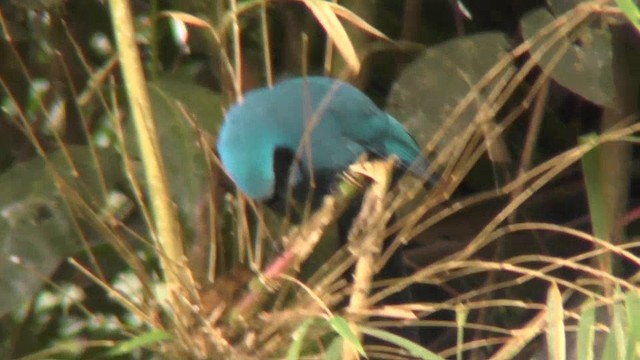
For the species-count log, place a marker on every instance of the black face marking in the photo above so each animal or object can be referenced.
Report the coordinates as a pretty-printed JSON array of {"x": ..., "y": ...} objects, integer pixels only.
[{"x": 282, "y": 159}]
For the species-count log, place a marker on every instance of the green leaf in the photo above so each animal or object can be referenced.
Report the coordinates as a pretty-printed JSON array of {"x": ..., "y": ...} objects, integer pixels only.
[
  {"x": 334, "y": 350},
  {"x": 341, "y": 326},
  {"x": 429, "y": 89},
  {"x": 631, "y": 11},
  {"x": 298, "y": 339},
  {"x": 37, "y": 231},
  {"x": 413, "y": 348},
  {"x": 66, "y": 349},
  {"x": 586, "y": 330},
  {"x": 632, "y": 308},
  {"x": 586, "y": 66},
  {"x": 619, "y": 326},
  {"x": 140, "y": 341},
  {"x": 591, "y": 167},
  {"x": 614, "y": 347},
  {"x": 201, "y": 103},
  {"x": 181, "y": 109}
]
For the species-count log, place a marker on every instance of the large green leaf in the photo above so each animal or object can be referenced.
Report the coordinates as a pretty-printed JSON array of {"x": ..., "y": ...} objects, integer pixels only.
[
  {"x": 431, "y": 87},
  {"x": 36, "y": 228},
  {"x": 181, "y": 110},
  {"x": 201, "y": 103},
  {"x": 586, "y": 67}
]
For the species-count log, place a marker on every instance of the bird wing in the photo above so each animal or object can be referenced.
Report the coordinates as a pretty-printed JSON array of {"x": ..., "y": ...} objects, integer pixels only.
[{"x": 374, "y": 130}]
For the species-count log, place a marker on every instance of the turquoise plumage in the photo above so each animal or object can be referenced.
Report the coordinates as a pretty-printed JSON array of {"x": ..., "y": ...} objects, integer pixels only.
[{"x": 262, "y": 142}]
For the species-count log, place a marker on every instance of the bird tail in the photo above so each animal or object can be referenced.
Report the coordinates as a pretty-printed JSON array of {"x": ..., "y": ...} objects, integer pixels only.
[
  {"x": 404, "y": 146},
  {"x": 421, "y": 168}
]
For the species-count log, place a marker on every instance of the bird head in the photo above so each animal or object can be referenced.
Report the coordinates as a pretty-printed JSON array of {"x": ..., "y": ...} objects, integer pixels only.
[
  {"x": 256, "y": 153},
  {"x": 247, "y": 158},
  {"x": 253, "y": 176}
]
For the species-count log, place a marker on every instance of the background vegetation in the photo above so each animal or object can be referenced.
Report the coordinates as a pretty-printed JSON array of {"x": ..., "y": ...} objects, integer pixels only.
[{"x": 121, "y": 238}]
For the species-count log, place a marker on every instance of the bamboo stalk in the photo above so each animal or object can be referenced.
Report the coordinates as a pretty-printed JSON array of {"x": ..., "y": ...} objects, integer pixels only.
[{"x": 166, "y": 232}]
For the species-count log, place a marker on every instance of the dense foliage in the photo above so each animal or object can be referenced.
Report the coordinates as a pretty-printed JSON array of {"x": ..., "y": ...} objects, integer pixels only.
[{"x": 121, "y": 236}]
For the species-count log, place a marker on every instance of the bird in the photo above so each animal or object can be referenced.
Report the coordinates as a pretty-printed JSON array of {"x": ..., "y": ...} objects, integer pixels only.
[
  {"x": 280, "y": 140},
  {"x": 306, "y": 130}
]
